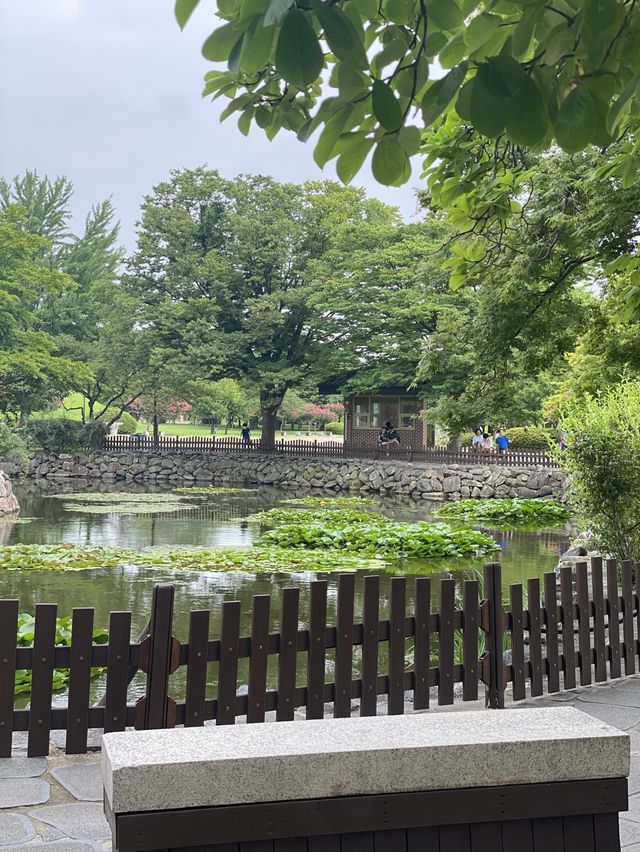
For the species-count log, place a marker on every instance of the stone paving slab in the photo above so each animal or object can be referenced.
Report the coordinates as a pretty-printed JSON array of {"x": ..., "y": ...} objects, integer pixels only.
[
  {"x": 629, "y": 832},
  {"x": 15, "y": 828},
  {"x": 78, "y": 820},
  {"x": 22, "y": 792},
  {"x": 82, "y": 780},
  {"x": 22, "y": 767},
  {"x": 59, "y": 846}
]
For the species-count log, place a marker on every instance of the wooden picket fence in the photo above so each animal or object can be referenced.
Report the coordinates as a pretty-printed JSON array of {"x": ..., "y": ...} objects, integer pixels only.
[
  {"x": 327, "y": 449},
  {"x": 573, "y": 630}
]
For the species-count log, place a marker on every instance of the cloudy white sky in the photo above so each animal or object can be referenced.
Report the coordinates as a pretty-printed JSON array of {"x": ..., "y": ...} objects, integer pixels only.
[{"x": 107, "y": 92}]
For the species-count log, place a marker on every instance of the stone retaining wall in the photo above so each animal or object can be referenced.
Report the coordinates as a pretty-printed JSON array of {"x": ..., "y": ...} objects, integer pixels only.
[{"x": 418, "y": 479}]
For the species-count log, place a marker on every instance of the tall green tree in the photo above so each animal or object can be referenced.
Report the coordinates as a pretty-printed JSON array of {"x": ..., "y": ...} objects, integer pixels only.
[
  {"x": 32, "y": 368},
  {"x": 227, "y": 277}
]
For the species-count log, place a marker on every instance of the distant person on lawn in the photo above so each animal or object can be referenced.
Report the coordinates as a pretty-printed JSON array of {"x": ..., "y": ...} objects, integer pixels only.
[
  {"x": 502, "y": 442},
  {"x": 246, "y": 433},
  {"x": 388, "y": 435}
]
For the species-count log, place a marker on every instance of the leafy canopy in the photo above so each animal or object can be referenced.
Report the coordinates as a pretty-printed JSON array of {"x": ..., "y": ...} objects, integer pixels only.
[{"x": 360, "y": 72}]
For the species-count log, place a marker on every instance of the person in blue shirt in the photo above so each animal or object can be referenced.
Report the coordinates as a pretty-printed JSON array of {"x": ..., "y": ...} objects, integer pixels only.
[{"x": 502, "y": 442}]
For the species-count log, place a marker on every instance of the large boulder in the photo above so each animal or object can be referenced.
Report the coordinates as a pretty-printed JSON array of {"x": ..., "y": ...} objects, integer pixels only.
[{"x": 8, "y": 502}]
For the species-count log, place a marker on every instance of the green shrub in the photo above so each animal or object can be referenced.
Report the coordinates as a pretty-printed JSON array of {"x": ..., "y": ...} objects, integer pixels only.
[
  {"x": 529, "y": 438},
  {"x": 61, "y": 435},
  {"x": 128, "y": 423},
  {"x": 466, "y": 439},
  {"x": 11, "y": 444},
  {"x": 602, "y": 460},
  {"x": 335, "y": 426}
]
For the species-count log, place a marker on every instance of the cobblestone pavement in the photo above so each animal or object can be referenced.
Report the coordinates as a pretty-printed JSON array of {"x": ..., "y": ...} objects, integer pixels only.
[{"x": 56, "y": 801}]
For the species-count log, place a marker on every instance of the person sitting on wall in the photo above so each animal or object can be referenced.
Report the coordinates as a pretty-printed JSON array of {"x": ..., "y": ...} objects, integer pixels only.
[
  {"x": 478, "y": 439},
  {"x": 388, "y": 435}
]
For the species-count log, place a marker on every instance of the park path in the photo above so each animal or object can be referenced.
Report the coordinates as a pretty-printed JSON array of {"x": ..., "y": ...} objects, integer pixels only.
[{"x": 55, "y": 803}]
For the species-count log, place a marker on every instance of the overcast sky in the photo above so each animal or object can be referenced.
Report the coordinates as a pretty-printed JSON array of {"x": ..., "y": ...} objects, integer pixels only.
[{"x": 107, "y": 92}]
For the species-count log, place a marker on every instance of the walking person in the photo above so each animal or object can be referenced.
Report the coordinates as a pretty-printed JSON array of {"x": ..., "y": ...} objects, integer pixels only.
[
  {"x": 246, "y": 434},
  {"x": 502, "y": 442}
]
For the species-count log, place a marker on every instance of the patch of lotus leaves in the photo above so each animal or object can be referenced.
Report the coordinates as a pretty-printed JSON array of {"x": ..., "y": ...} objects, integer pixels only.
[
  {"x": 210, "y": 489},
  {"x": 121, "y": 503},
  {"x": 71, "y": 557},
  {"x": 323, "y": 502}
]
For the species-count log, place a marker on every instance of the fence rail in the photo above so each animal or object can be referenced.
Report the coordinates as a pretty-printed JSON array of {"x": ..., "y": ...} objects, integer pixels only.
[
  {"x": 577, "y": 628},
  {"x": 328, "y": 449}
]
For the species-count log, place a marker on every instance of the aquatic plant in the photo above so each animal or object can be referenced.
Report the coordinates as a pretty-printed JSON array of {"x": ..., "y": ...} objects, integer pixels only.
[
  {"x": 288, "y": 515},
  {"x": 375, "y": 535},
  {"x": 71, "y": 557},
  {"x": 514, "y": 512},
  {"x": 61, "y": 557},
  {"x": 25, "y": 636},
  {"x": 323, "y": 502},
  {"x": 210, "y": 489}
]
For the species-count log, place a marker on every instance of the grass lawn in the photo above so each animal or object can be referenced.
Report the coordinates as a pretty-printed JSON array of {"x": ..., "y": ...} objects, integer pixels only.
[{"x": 188, "y": 429}]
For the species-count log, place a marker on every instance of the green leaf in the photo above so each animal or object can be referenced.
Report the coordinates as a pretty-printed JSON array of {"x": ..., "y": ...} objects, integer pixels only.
[
  {"x": 257, "y": 48},
  {"x": 410, "y": 138},
  {"x": 504, "y": 76},
  {"x": 575, "y": 123},
  {"x": 463, "y": 101},
  {"x": 299, "y": 57},
  {"x": 244, "y": 122},
  {"x": 354, "y": 148},
  {"x": 616, "y": 111},
  {"x": 480, "y": 30},
  {"x": 333, "y": 128},
  {"x": 340, "y": 34},
  {"x": 391, "y": 52},
  {"x": 351, "y": 83},
  {"x": 220, "y": 43},
  {"x": 488, "y": 112},
  {"x": 523, "y": 33},
  {"x": 453, "y": 52},
  {"x": 234, "y": 56},
  {"x": 527, "y": 119},
  {"x": 386, "y": 106},
  {"x": 441, "y": 93},
  {"x": 445, "y": 14},
  {"x": 367, "y": 8},
  {"x": 276, "y": 11},
  {"x": 561, "y": 42},
  {"x": 398, "y": 11},
  {"x": 390, "y": 163},
  {"x": 434, "y": 43},
  {"x": 184, "y": 10}
]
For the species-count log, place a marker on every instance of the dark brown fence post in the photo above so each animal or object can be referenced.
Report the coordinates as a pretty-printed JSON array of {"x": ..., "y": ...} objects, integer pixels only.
[
  {"x": 493, "y": 625},
  {"x": 160, "y": 662}
]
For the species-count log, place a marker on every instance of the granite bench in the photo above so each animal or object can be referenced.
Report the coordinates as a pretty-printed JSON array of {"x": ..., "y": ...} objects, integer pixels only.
[{"x": 545, "y": 780}]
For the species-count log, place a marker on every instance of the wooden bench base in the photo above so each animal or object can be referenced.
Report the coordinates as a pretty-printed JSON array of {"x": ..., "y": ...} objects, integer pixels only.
[{"x": 575, "y": 816}]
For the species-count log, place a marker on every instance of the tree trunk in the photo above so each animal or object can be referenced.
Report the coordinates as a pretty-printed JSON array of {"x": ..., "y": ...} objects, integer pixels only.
[
  {"x": 270, "y": 401},
  {"x": 156, "y": 436}
]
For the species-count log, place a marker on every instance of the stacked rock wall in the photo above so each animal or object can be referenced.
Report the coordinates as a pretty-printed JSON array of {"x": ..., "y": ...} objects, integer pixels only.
[{"x": 414, "y": 478}]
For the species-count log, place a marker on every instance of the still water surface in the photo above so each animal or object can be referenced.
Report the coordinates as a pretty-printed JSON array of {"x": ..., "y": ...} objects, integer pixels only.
[{"x": 216, "y": 521}]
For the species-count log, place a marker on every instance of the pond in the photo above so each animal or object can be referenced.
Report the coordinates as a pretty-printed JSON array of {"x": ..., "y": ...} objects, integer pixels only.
[{"x": 215, "y": 520}]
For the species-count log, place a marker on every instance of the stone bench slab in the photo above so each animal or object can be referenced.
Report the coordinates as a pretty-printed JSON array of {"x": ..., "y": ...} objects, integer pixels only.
[{"x": 241, "y": 764}]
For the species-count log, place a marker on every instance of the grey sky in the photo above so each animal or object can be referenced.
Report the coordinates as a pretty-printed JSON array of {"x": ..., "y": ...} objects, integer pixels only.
[{"x": 107, "y": 92}]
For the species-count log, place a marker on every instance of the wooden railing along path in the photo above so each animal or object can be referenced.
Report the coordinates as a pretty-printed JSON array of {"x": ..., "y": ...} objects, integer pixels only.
[
  {"x": 328, "y": 449},
  {"x": 576, "y": 629}
]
